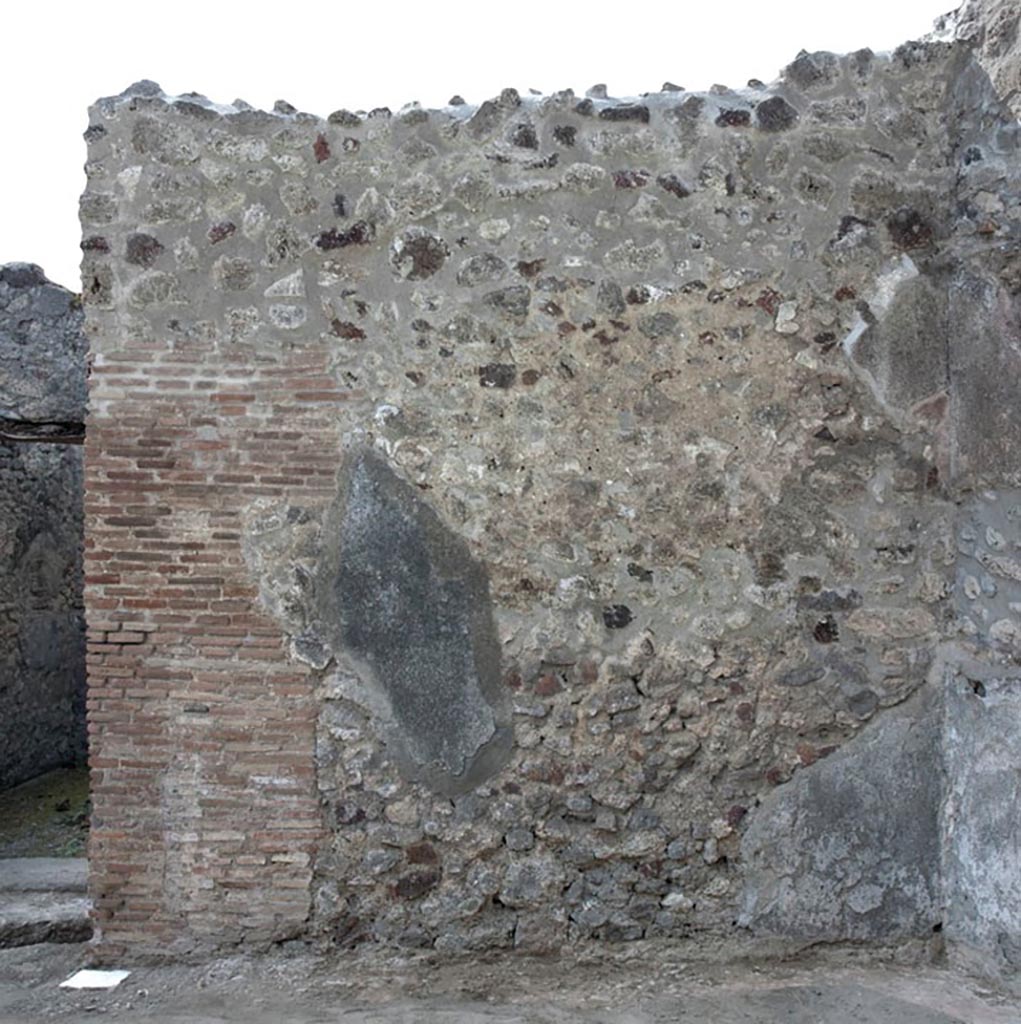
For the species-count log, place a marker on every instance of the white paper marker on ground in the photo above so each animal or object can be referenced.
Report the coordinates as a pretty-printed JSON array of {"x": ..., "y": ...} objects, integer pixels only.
[{"x": 95, "y": 979}]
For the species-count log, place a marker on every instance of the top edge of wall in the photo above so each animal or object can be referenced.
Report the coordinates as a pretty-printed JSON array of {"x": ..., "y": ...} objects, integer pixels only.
[{"x": 808, "y": 73}]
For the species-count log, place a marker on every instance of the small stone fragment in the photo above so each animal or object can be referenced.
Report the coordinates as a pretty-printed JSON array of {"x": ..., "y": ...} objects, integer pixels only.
[
  {"x": 218, "y": 232},
  {"x": 672, "y": 184},
  {"x": 360, "y": 233},
  {"x": 775, "y": 115},
  {"x": 346, "y": 329},
  {"x": 734, "y": 118},
  {"x": 625, "y": 112},
  {"x": 481, "y": 269},
  {"x": 233, "y": 274},
  {"x": 497, "y": 375},
  {"x": 617, "y": 616},
  {"x": 909, "y": 229},
  {"x": 417, "y": 254},
  {"x": 142, "y": 250},
  {"x": 524, "y": 136},
  {"x": 512, "y": 301}
]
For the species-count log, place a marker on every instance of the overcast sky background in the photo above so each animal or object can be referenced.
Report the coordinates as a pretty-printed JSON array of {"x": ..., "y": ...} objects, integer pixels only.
[{"x": 60, "y": 56}]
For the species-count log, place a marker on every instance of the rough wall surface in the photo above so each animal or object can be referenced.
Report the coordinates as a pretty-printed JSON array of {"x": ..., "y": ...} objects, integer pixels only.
[
  {"x": 649, "y": 410},
  {"x": 42, "y": 631}
]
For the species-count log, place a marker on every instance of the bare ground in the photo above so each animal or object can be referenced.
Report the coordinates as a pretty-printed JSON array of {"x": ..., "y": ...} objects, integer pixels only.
[
  {"x": 643, "y": 983},
  {"x": 47, "y": 816}
]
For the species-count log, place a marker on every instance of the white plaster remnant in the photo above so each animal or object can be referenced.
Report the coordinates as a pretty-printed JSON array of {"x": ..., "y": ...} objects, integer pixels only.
[
  {"x": 95, "y": 979},
  {"x": 894, "y": 274},
  {"x": 293, "y": 285}
]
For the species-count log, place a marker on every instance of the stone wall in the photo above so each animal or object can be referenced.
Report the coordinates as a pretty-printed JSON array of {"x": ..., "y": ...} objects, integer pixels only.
[
  {"x": 993, "y": 28},
  {"x": 537, "y": 522},
  {"x": 42, "y": 633}
]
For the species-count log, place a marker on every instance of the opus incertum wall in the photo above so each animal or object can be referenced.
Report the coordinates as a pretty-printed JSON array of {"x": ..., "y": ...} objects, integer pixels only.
[{"x": 542, "y": 521}]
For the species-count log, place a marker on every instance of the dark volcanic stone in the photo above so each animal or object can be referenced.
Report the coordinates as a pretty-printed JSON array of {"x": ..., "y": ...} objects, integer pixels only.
[
  {"x": 626, "y": 112},
  {"x": 775, "y": 115},
  {"x": 525, "y": 137},
  {"x": 484, "y": 267},
  {"x": 218, "y": 232},
  {"x": 826, "y": 630},
  {"x": 617, "y": 616},
  {"x": 672, "y": 184},
  {"x": 344, "y": 118},
  {"x": 360, "y": 233},
  {"x": 411, "y": 887},
  {"x": 512, "y": 301},
  {"x": 909, "y": 229},
  {"x": 610, "y": 298},
  {"x": 346, "y": 329},
  {"x": 142, "y": 250},
  {"x": 417, "y": 254},
  {"x": 400, "y": 594},
  {"x": 630, "y": 179},
  {"x": 831, "y": 601},
  {"x": 498, "y": 375},
  {"x": 811, "y": 69},
  {"x": 734, "y": 119},
  {"x": 22, "y": 275}
]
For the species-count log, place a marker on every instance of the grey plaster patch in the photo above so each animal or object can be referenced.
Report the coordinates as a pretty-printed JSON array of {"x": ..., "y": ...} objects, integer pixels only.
[
  {"x": 848, "y": 849},
  {"x": 401, "y": 595},
  {"x": 987, "y": 592}
]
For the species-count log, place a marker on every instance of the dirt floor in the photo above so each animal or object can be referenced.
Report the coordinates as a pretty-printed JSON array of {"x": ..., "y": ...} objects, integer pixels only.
[
  {"x": 642, "y": 983},
  {"x": 46, "y": 817}
]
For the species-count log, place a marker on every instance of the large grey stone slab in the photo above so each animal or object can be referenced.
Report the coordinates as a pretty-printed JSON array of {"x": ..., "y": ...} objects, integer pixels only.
[
  {"x": 30, "y": 918},
  {"x": 848, "y": 849},
  {"x": 985, "y": 364},
  {"x": 981, "y": 823},
  {"x": 44, "y": 874},
  {"x": 401, "y": 596},
  {"x": 43, "y": 900}
]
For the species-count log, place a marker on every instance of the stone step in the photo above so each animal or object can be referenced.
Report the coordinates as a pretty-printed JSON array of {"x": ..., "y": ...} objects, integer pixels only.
[{"x": 43, "y": 899}]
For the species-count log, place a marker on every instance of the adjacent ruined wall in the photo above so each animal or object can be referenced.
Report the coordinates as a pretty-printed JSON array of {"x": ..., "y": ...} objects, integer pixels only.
[
  {"x": 993, "y": 28},
  {"x": 42, "y": 632},
  {"x": 536, "y": 522}
]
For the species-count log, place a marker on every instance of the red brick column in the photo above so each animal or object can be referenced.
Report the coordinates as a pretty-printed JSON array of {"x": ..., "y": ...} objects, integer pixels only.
[{"x": 201, "y": 727}]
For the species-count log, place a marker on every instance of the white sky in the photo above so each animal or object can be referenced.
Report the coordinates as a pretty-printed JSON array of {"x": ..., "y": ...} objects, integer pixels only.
[{"x": 60, "y": 56}]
